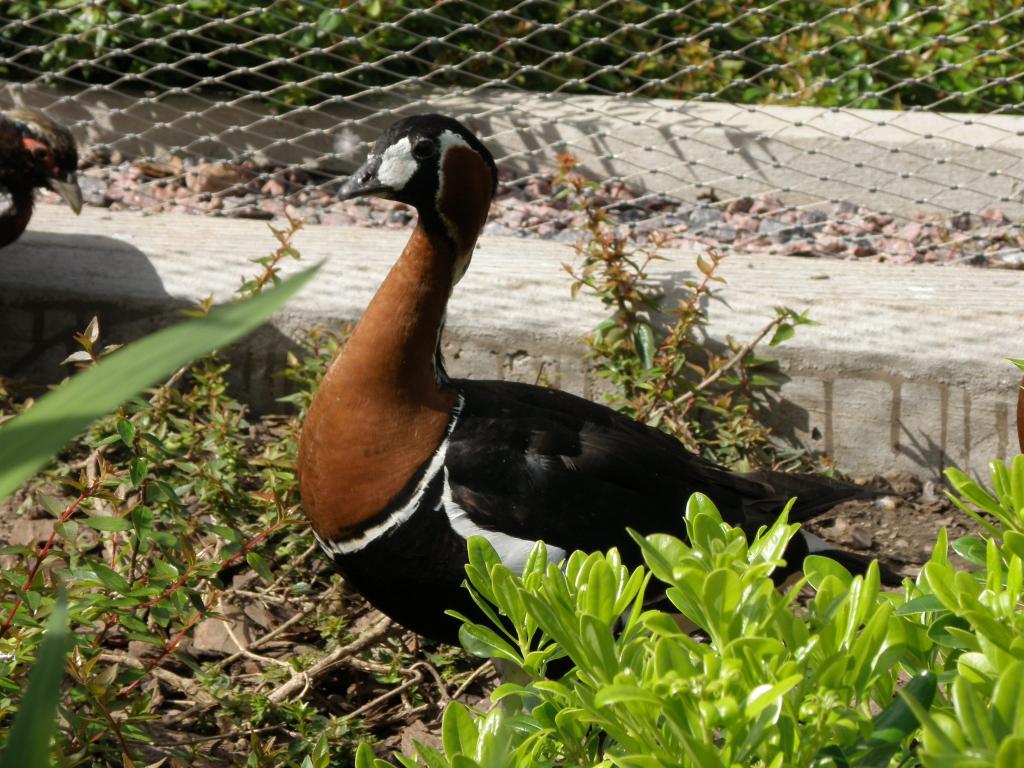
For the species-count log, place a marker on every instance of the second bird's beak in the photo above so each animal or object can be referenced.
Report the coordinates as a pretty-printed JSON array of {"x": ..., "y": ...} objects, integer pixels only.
[
  {"x": 364, "y": 181},
  {"x": 68, "y": 189}
]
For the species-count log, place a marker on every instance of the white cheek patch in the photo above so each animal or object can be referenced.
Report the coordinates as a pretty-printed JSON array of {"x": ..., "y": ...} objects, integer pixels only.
[{"x": 397, "y": 165}]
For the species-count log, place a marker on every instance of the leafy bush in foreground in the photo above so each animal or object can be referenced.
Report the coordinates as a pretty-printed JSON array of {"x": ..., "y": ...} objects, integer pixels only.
[{"x": 932, "y": 675}]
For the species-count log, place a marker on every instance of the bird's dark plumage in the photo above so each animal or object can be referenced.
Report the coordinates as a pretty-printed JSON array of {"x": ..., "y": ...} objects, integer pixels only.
[
  {"x": 35, "y": 152},
  {"x": 399, "y": 464}
]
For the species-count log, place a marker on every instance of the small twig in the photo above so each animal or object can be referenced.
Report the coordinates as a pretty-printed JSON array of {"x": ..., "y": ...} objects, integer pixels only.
[
  {"x": 303, "y": 679},
  {"x": 474, "y": 675},
  {"x": 441, "y": 687},
  {"x": 229, "y": 735},
  {"x": 384, "y": 697},
  {"x": 370, "y": 667},
  {"x": 258, "y": 642},
  {"x": 165, "y": 651},
  {"x": 99, "y": 703},
  {"x": 244, "y": 650},
  {"x": 185, "y": 685},
  {"x": 731, "y": 363},
  {"x": 405, "y": 716}
]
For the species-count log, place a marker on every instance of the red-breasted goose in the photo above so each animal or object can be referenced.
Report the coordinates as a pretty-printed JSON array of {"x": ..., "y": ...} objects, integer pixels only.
[{"x": 399, "y": 464}]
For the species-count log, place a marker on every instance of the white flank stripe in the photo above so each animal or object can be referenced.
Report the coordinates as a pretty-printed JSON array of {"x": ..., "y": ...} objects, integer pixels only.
[
  {"x": 403, "y": 513},
  {"x": 513, "y": 551}
]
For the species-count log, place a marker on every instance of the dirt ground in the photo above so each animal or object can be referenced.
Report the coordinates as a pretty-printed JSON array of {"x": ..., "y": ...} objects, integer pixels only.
[{"x": 899, "y": 529}]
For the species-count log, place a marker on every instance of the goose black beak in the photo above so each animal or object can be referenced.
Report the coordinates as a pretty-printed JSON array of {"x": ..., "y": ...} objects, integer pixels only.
[
  {"x": 364, "y": 181},
  {"x": 68, "y": 189}
]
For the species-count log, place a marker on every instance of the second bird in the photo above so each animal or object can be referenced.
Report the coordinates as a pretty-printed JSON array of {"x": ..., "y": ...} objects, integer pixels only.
[{"x": 35, "y": 152}]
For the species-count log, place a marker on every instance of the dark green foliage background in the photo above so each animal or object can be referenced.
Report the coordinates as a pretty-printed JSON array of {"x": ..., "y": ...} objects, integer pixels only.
[{"x": 958, "y": 56}]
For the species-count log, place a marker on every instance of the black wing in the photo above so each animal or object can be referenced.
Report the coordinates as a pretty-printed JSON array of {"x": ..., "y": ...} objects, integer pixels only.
[{"x": 537, "y": 463}]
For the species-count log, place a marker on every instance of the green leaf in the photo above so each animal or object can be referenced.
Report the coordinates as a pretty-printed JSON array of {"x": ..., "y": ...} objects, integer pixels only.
[
  {"x": 646, "y": 344},
  {"x": 971, "y": 549},
  {"x": 485, "y": 643},
  {"x": 598, "y": 596},
  {"x": 107, "y": 523},
  {"x": 596, "y": 640},
  {"x": 258, "y": 564},
  {"x": 459, "y": 732},
  {"x": 896, "y": 722},
  {"x": 1014, "y": 542},
  {"x": 137, "y": 470},
  {"x": 782, "y": 333},
  {"x": 126, "y": 431},
  {"x": 110, "y": 579},
  {"x": 30, "y": 736},
  {"x": 922, "y": 604},
  {"x": 29, "y": 440},
  {"x": 816, "y": 568},
  {"x": 1011, "y": 751},
  {"x": 364, "y": 756},
  {"x": 624, "y": 694}
]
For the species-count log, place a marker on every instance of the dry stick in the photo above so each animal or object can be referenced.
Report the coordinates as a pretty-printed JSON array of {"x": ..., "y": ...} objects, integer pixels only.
[
  {"x": 225, "y": 736},
  {"x": 244, "y": 650},
  {"x": 441, "y": 687},
  {"x": 267, "y": 637},
  {"x": 733, "y": 361},
  {"x": 476, "y": 673},
  {"x": 203, "y": 706},
  {"x": 384, "y": 696},
  {"x": 166, "y": 651},
  {"x": 185, "y": 685},
  {"x": 174, "y": 641},
  {"x": 301, "y": 680}
]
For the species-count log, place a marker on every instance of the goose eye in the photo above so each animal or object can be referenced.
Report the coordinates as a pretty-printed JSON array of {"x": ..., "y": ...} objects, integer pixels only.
[
  {"x": 423, "y": 149},
  {"x": 40, "y": 153}
]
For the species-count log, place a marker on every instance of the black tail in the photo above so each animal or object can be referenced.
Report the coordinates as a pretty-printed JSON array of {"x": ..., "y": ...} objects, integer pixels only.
[{"x": 814, "y": 495}]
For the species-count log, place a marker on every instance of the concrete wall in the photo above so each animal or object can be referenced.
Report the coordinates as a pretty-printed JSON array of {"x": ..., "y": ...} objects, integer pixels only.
[
  {"x": 905, "y": 371},
  {"x": 884, "y": 160}
]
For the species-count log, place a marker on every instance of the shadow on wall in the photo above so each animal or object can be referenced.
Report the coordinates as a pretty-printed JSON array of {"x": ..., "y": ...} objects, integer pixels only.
[{"x": 53, "y": 284}]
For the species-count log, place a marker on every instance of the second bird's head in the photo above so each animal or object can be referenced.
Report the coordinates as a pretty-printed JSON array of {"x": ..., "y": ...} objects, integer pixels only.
[
  {"x": 435, "y": 164},
  {"x": 52, "y": 156}
]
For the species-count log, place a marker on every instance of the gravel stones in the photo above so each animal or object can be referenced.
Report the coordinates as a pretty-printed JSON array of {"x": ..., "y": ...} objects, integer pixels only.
[{"x": 526, "y": 208}]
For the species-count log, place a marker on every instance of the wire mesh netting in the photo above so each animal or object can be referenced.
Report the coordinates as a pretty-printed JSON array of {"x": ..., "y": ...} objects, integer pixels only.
[{"x": 884, "y": 130}]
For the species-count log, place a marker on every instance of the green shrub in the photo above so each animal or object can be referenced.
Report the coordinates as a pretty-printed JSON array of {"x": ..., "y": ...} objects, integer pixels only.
[
  {"x": 932, "y": 675},
  {"x": 654, "y": 350}
]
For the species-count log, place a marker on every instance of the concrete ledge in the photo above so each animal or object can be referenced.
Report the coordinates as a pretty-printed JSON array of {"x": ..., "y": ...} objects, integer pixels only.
[
  {"x": 905, "y": 371},
  {"x": 884, "y": 160}
]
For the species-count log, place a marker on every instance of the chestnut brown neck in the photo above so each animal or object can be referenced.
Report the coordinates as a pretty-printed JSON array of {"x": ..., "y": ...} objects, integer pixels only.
[
  {"x": 380, "y": 412},
  {"x": 383, "y": 409}
]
